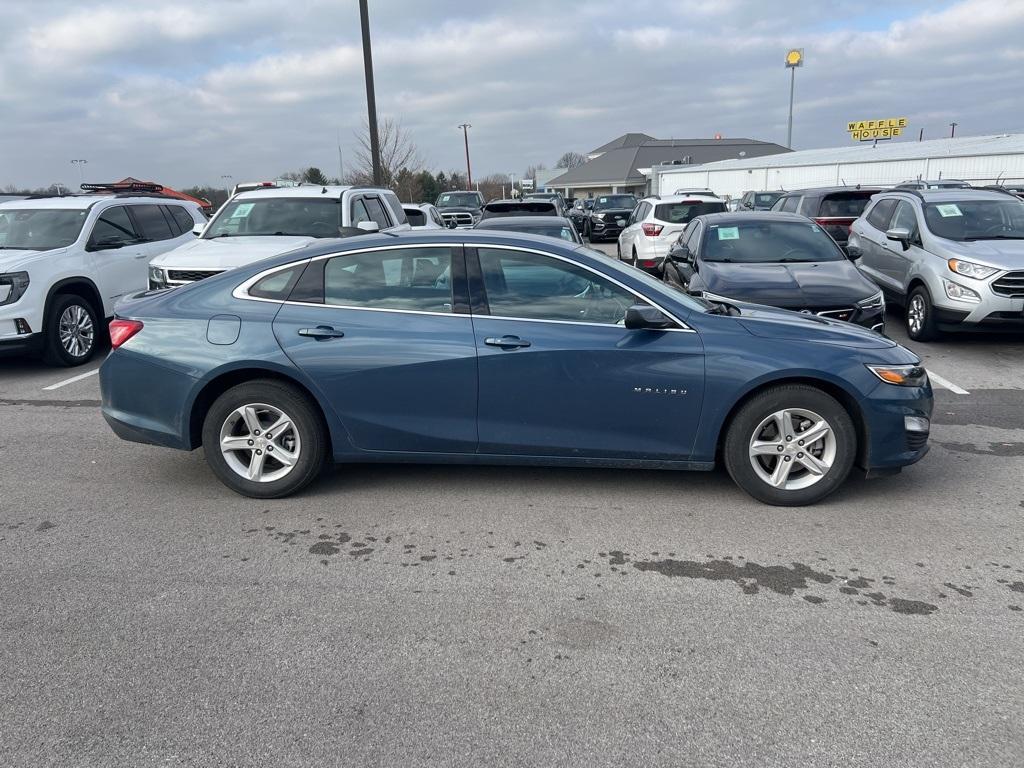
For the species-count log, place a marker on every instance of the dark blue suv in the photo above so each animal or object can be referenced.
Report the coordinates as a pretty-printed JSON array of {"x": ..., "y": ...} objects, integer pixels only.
[{"x": 500, "y": 348}]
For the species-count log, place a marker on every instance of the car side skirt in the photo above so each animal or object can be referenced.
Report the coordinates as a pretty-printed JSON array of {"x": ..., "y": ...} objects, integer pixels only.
[{"x": 389, "y": 457}]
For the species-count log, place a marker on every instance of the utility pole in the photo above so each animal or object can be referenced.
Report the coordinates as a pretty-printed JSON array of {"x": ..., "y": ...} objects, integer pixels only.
[
  {"x": 469, "y": 170},
  {"x": 81, "y": 170},
  {"x": 371, "y": 100},
  {"x": 341, "y": 163},
  {"x": 794, "y": 59},
  {"x": 952, "y": 129}
]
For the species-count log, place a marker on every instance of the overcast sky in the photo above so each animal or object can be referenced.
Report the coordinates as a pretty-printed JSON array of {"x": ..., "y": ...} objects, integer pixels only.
[{"x": 182, "y": 92}]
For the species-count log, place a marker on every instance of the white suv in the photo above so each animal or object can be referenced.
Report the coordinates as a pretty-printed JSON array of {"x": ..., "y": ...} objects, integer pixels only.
[
  {"x": 64, "y": 261},
  {"x": 656, "y": 224},
  {"x": 268, "y": 221}
]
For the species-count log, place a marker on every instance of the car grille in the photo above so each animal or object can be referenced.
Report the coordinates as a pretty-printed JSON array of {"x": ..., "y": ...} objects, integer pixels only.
[
  {"x": 840, "y": 313},
  {"x": 190, "y": 275},
  {"x": 1011, "y": 284},
  {"x": 916, "y": 440},
  {"x": 461, "y": 218}
]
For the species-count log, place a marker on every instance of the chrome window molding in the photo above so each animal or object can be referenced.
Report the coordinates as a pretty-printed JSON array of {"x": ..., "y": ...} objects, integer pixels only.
[{"x": 241, "y": 291}]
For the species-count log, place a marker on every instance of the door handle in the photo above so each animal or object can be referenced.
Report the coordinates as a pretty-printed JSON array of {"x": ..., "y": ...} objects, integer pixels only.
[
  {"x": 141, "y": 255},
  {"x": 506, "y": 342},
  {"x": 321, "y": 333}
]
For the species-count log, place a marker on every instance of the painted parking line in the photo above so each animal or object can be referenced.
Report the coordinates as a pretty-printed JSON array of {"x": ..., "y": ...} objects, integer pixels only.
[
  {"x": 72, "y": 380},
  {"x": 946, "y": 384}
]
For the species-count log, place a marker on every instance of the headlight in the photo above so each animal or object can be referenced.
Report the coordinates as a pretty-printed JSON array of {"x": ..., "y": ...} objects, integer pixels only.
[
  {"x": 901, "y": 375},
  {"x": 12, "y": 287},
  {"x": 970, "y": 269},
  {"x": 959, "y": 292},
  {"x": 157, "y": 278},
  {"x": 872, "y": 302},
  {"x": 720, "y": 299}
]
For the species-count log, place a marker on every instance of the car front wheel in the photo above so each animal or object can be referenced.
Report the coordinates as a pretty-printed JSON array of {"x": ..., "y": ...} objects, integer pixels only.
[
  {"x": 921, "y": 315},
  {"x": 72, "y": 330},
  {"x": 790, "y": 445},
  {"x": 264, "y": 439}
]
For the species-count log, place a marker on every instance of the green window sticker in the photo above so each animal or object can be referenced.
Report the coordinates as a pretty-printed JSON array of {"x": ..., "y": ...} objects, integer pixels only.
[
  {"x": 949, "y": 209},
  {"x": 242, "y": 211},
  {"x": 728, "y": 233}
]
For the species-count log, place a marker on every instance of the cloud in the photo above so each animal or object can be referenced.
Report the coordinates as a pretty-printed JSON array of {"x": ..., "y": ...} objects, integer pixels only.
[{"x": 189, "y": 91}]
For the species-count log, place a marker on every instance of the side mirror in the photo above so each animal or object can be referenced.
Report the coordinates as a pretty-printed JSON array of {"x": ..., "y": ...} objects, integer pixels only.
[
  {"x": 198, "y": 231},
  {"x": 901, "y": 235},
  {"x": 105, "y": 245},
  {"x": 368, "y": 226},
  {"x": 748, "y": 206},
  {"x": 644, "y": 316},
  {"x": 680, "y": 253},
  {"x": 853, "y": 252}
]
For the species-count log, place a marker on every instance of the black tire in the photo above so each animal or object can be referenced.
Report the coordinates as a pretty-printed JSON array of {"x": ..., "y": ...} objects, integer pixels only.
[
  {"x": 635, "y": 261},
  {"x": 308, "y": 424},
  {"x": 922, "y": 328},
  {"x": 88, "y": 335},
  {"x": 741, "y": 431},
  {"x": 587, "y": 233}
]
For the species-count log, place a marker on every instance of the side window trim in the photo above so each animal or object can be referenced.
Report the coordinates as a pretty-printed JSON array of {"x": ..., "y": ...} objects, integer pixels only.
[{"x": 478, "y": 291}]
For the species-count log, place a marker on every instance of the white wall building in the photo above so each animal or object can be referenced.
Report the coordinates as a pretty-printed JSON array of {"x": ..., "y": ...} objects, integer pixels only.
[{"x": 975, "y": 159}]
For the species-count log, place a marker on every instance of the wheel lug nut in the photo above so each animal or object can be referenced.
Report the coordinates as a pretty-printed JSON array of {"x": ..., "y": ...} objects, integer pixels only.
[
  {"x": 785, "y": 458},
  {"x": 800, "y": 442},
  {"x": 270, "y": 448},
  {"x": 271, "y": 437},
  {"x": 250, "y": 442},
  {"x": 257, "y": 433},
  {"x": 781, "y": 449},
  {"x": 788, "y": 437},
  {"x": 260, "y": 453},
  {"x": 799, "y": 455}
]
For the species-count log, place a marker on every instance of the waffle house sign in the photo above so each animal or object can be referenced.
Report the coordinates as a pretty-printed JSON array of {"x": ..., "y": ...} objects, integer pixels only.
[{"x": 870, "y": 130}]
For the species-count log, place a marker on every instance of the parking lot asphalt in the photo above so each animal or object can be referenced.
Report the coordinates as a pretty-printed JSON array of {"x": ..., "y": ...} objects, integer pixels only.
[{"x": 402, "y": 615}]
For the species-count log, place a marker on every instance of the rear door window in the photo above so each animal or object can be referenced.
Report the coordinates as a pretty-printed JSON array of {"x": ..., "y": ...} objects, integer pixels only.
[
  {"x": 411, "y": 279},
  {"x": 681, "y": 213},
  {"x": 881, "y": 213},
  {"x": 790, "y": 204},
  {"x": 150, "y": 220},
  {"x": 182, "y": 217},
  {"x": 359, "y": 212},
  {"x": 905, "y": 218},
  {"x": 847, "y": 205}
]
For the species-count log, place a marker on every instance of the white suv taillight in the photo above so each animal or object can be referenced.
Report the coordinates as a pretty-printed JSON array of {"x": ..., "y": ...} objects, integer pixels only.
[{"x": 652, "y": 230}]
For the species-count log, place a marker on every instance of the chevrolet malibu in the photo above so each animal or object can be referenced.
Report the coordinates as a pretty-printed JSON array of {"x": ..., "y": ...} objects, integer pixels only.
[{"x": 502, "y": 348}]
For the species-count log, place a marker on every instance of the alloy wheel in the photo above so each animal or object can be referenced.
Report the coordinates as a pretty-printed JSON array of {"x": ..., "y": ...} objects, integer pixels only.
[
  {"x": 792, "y": 449},
  {"x": 76, "y": 331},
  {"x": 260, "y": 442},
  {"x": 916, "y": 314}
]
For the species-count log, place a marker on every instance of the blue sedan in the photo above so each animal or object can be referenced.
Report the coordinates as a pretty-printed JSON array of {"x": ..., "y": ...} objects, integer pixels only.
[{"x": 502, "y": 348}]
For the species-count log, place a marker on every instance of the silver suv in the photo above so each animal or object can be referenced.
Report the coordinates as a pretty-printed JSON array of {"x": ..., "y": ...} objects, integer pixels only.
[{"x": 954, "y": 259}]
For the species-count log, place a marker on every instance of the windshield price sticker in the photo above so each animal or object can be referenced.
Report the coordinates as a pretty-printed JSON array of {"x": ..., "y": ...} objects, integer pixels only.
[
  {"x": 728, "y": 233},
  {"x": 948, "y": 209},
  {"x": 242, "y": 211}
]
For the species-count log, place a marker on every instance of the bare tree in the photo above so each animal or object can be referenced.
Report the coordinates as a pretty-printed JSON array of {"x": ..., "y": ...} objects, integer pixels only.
[
  {"x": 531, "y": 171},
  {"x": 571, "y": 160},
  {"x": 397, "y": 151}
]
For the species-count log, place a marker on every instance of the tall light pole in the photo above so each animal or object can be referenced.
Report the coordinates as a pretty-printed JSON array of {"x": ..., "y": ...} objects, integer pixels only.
[
  {"x": 227, "y": 186},
  {"x": 469, "y": 170},
  {"x": 952, "y": 129},
  {"x": 81, "y": 170},
  {"x": 512, "y": 176},
  {"x": 371, "y": 99},
  {"x": 794, "y": 59}
]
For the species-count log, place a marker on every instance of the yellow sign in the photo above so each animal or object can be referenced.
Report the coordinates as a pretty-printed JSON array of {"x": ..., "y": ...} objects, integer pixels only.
[
  {"x": 868, "y": 130},
  {"x": 795, "y": 57}
]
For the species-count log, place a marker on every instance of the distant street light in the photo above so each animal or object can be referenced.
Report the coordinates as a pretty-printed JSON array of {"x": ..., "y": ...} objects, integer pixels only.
[
  {"x": 794, "y": 59},
  {"x": 227, "y": 186},
  {"x": 952, "y": 129},
  {"x": 371, "y": 99},
  {"x": 469, "y": 170},
  {"x": 81, "y": 170}
]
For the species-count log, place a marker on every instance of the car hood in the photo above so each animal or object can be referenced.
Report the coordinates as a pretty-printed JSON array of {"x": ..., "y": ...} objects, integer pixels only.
[
  {"x": 1008, "y": 254},
  {"x": 812, "y": 284},
  {"x": 14, "y": 260},
  {"x": 772, "y": 323},
  {"x": 614, "y": 211},
  {"x": 228, "y": 252}
]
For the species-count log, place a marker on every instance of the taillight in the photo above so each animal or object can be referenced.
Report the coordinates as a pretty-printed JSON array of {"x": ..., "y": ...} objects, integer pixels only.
[
  {"x": 122, "y": 330},
  {"x": 648, "y": 263},
  {"x": 652, "y": 230}
]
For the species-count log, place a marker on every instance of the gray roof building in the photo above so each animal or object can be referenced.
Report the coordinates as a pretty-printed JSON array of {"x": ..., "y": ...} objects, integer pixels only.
[{"x": 623, "y": 164}]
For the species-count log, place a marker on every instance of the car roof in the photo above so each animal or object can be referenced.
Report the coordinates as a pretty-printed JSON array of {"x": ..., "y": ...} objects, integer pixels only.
[
  {"x": 512, "y": 222},
  {"x": 740, "y": 217},
  {"x": 306, "y": 190},
  {"x": 702, "y": 196},
  {"x": 951, "y": 195},
  {"x": 839, "y": 188},
  {"x": 82, "y": 202}
]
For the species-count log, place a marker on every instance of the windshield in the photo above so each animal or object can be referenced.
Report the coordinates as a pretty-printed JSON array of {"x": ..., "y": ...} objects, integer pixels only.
[
  {"x": 550, "y": 230},
  {"x": 976, "y": 219},
  {"x": 766, "y": 199},
  {"x": 764, "y": 242},
  {"x": 614, "y": 201},
  {"x": 36, "y": 229},
  {"x": 458, "y": 200},
  {"x": 301, "y": 216}
]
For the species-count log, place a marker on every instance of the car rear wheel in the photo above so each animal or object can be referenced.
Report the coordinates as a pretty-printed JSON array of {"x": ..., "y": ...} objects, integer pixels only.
[
  {"x": 790, "y": 445},
  {"x": 72, "y": 330},
  {"x": 264, "y": 439},
  {"x": 636, "y": 260},
  {"x": 921, "y": 315}
]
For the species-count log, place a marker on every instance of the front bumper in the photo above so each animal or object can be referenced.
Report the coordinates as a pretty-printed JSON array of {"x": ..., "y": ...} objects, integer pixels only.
[
  {"x": 21, "y": 344},
  {"x": 606, "y": 228},
  {"x": 890, "y": 444}
]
